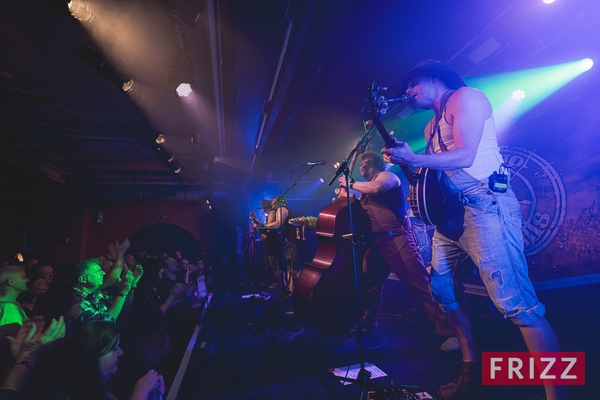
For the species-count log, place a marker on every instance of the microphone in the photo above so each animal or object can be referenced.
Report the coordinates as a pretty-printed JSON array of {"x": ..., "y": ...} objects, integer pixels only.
[
  {"x": 311, "y": 163},
  {"x": 382, "y": 101}
]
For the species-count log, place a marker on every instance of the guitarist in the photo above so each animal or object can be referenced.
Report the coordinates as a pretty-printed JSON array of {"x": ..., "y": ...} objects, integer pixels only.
[
  {"x": 383, "y": 199},
  {"x": 276, "y": 244},
  {"x": 482, "y": 224}
]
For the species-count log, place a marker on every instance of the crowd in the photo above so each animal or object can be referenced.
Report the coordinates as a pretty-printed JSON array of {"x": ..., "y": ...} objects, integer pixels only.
[{"x": 99, "y": 328}]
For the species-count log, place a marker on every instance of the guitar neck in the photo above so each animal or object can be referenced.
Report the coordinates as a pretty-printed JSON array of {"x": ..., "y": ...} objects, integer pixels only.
[
  {"x": 254, "y": 220},
  {"x": 391, "y": 143}
]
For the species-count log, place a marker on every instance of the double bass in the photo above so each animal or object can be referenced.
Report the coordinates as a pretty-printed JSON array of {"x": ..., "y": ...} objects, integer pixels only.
[{"x": 325, "y": 293}]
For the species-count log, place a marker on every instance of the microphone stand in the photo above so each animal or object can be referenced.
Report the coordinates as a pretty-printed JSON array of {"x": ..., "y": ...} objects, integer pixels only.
[
  {"x": 295, "y": 181},
  {"x": 363, "y": 378},
  {"x": 282, "y": 248}
]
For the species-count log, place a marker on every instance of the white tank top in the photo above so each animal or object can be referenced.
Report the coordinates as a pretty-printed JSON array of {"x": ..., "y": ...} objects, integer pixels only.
[{"x": 488, "y": 158}]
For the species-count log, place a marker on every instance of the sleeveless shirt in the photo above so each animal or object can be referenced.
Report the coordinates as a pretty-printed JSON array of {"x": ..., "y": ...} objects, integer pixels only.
[
  {"x": 386, "y": 211},
  {"x": 487, "y": 159}
]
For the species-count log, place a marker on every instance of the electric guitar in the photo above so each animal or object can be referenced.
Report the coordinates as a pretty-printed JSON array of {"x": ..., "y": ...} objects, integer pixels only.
[{"x": 424, "y": 196}]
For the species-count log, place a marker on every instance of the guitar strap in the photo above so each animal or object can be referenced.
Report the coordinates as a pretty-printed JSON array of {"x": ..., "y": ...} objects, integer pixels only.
[{"x": 436, "y": 126}]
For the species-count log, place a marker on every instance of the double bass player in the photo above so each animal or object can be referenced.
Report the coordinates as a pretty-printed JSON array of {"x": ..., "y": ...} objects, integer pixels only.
[{"x": 382, "y": 197}]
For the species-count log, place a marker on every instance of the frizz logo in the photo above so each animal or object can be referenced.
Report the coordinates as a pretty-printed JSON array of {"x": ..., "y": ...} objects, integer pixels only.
[{"x": 523, "y": 368}]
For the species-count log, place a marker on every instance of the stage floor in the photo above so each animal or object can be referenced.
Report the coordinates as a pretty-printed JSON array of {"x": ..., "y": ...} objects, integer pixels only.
[{"x": 251, "y": 348}]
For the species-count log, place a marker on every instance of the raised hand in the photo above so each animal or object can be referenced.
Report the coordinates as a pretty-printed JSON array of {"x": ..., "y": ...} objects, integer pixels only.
[
  {"x": 137, "y": 272},
  {"x": 31, "y": 340},
  {"x": 178, "y": 288},
  {"x": 126, "y": 282},
  {"x": 123, "y": 247},
  {"x": 146, "y": 384}
]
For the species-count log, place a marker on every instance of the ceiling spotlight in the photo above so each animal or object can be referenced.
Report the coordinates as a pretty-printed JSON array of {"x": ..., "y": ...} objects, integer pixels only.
[
  {"x": 160, "y": 139},
  {"x": 81, "y": 10},
  {"x": 178, "y": 170},
  {"x": 171, "y": 159},
  {"x": 184, "y": 90},
  {"x": 128, "y": 86},
  {"x": 181, "y": 75}
]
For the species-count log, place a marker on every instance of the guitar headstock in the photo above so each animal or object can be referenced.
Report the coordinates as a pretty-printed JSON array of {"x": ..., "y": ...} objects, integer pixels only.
[
  {"x": 377, "y": 103},
  {"x": 378, "y": 109}
]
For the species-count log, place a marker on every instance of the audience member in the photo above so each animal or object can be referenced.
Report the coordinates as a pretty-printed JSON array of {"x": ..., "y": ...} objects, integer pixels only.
[
  {"x": 29, "y": 343},
  {"x": 170, "y": 276},
  {"x": 88, "y": 361},
  {"x": 13, "y": 281},
  {"x": 41, "y": 270},
  {"x": 35, "y": 288},
  {"x": 147, "y": 318}
]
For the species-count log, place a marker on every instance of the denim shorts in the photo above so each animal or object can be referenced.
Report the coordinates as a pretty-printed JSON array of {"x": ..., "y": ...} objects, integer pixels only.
[{"x": 482, "y": 229}]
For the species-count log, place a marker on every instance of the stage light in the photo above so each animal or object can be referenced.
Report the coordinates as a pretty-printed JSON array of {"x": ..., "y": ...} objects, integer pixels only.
[
  {"x": 184, "y": 90},
  {"x": 506, "y": 91},
  {"x": 548, "y": 1},
  {"x": 321, "y": 180},
  {"x": 178, "y": 170},
  {"x": 517, "y": 95},
  {"x": 160, "y": 139},
  {"x": 81, "y": 10},
  {"x": 128, "y": 86},
  {"x": 181, "y": 75},
  {"x": 171, "y": 159},
  {"x": 586, "y": 64}
]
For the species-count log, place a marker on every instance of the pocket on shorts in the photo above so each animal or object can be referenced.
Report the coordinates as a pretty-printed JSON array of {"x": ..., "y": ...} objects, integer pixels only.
[{"x": 481, "y": 201}]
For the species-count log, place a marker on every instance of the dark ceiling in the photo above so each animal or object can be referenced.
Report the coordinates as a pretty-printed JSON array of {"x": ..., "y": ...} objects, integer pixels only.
[{"x": 279, "y": 83}]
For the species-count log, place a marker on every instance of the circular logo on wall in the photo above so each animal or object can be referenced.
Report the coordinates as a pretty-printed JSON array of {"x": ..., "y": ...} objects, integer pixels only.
[{"x": 540, "y": 192}]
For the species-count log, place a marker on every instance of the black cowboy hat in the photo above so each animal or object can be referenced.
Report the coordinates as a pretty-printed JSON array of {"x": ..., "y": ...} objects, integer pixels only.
[
  {"x": 265, "y": 205},
  {"x": 429, "y": 68}
]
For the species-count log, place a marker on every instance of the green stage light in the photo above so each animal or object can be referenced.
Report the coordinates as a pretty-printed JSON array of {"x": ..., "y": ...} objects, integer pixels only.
[{"x": 512, "y": 94}]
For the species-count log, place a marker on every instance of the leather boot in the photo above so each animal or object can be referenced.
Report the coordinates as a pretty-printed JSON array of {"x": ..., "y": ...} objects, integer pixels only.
[{"x": 466, "y": 384}]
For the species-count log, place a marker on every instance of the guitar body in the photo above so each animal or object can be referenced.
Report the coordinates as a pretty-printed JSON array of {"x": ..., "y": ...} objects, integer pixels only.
[
  {"x": 324, "y": 295},
  {"x": 263, "y": 235},
  {"x": 425, "y": 197}
]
